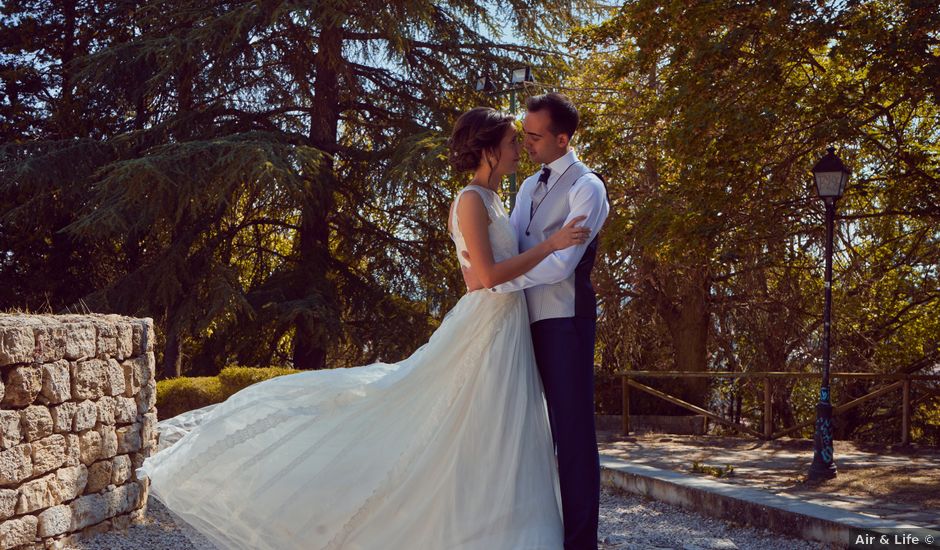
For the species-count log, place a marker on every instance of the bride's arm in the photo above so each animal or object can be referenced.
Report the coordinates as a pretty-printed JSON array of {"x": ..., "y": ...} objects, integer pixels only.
[{"x": 473, "y": 221}]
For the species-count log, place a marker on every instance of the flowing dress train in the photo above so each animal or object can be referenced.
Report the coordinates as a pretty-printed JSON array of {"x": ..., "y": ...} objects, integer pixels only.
[{"x": 449, "y": 448}]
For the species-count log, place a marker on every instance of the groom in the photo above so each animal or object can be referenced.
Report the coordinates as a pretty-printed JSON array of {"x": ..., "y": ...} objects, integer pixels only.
[{"x": 562, "y": 305}]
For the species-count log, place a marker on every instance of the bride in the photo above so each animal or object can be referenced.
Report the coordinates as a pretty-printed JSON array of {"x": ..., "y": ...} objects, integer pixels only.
[{"x": 449, "y": 448}]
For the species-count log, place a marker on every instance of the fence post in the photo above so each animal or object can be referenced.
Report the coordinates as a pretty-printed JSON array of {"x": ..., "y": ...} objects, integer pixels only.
[
  {"x": 906, "y": 412},
  {"x": 625, "y": 390},
  {"x": 768, "y": 411}
]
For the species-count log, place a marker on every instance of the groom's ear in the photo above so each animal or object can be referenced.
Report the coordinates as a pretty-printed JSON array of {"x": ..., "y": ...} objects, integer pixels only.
[{"x": 562, "y": 140}]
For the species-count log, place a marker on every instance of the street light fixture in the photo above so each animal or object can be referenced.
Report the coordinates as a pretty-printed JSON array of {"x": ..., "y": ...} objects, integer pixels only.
[
  {"x": 518, "y": 78},
  {"x": 484, "y": 84},
  {"x": 831, "y": 176},
  {"x": 521, "y": 75}
]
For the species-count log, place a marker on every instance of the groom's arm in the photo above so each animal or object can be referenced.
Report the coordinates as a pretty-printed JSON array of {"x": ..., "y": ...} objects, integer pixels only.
[{"x": 588, "y": 198}]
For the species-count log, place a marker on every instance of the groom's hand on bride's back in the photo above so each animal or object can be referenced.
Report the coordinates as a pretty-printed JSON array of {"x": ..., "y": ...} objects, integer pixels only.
[{"x": 469, "y": 277}]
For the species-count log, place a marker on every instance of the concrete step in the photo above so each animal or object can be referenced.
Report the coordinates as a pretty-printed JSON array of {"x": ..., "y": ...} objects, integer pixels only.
[{"x": 748, "y": 506}]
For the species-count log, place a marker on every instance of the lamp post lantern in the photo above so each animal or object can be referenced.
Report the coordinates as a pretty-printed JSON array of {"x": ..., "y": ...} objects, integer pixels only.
[
  {"x": 485, "y": 85},
  {"x": 830, "y": 176},
  {"x": 518, "y": 78}
]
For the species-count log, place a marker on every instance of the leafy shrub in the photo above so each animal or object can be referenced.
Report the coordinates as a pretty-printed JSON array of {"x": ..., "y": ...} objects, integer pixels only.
[
  {"x": 235, "y": 379},
  {"x": 185, "y": 393},
  {"x": 178, "y": 395}
]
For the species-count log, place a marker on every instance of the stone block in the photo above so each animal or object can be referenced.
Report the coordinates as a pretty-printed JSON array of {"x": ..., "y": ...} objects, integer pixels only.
[
  {"x": 17, "y": 344},
  {"x": 63, "y": 417},
  {"x": 120, "y": 469},
  {"x": 50, "y": 342},
  {"x": 89, "y": 379},
  {"x": 109, "y": 441},
  {"x": 18, "y": 532},
  {"x": 73, "y": 450},
  {"x": 35, "y": 422},
  {"x": 97, "y": 529},
  {"x": 72, "y": 481},
  {"x": 107, "y": 338},
  {"x": 121, "y": 523},
  {"x": 143, "y": 337},
  {"x": 122, "y": 499},
  {"x": 147, "y": 398},
  {"x": 137, "y": 460},
  {"x": 115, "y": 378},
  {"x": 148, "y": 431},
  {"x": 56, "y": 382},
  {"x": 99, "y": 476},
  {"x": 37, "y": 494},
  {"x": 82, "y": 341},
  {"x": 86, "y": 416},
  {"x": 88, "y": 510},
  {"x": 55, "y": 521},
  {"x": 90, "y": 445},
  {"x": 48, "y": 454},
  {"x": 128, "y": 438},
  {"x": 144, "y": 485},
  {"x": 23, "y": 384},
  {"x": 106, "y": 409},
  {"x": 16, "y": 464},
  {"x": 8, "y": 498},
  {"x": 125, "y": 410},
  {"x": 10, "y": 433},
  {"x": 135, "y": 374},
  {"x": 125, "y": 340}
]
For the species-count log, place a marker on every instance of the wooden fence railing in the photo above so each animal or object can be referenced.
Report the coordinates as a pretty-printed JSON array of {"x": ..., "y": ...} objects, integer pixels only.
[{"x": 901, "y": 381}]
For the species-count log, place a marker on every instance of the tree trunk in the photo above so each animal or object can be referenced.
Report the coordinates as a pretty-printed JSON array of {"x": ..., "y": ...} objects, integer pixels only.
[
  {"x": 309, "y": 337},
  {"x": 65, "y": 111},
  {"x": 687, "y": 316},
  {"x": 172, "y": 352}
]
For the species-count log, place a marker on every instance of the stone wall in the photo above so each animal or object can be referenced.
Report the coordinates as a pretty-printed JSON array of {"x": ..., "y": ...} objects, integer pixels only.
[{"x": 77, "y": 418}]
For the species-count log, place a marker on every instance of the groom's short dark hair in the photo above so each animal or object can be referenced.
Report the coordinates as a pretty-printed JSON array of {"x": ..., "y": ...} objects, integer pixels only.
[{"x": 561, "y": 111}]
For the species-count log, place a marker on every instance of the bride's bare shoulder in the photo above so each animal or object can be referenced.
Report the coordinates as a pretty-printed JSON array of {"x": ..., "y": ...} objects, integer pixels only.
[{"x": 471, "y": 206}]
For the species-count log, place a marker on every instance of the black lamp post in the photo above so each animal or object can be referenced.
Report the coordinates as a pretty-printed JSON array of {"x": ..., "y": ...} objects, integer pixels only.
[
  {"x": 517, "y": 79},
  {"x": 830, "y": 175}
]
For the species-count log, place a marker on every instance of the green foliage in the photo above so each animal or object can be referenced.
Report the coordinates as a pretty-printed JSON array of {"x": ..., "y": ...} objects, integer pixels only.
[
  {"x": 234, "y": 379},
  {"x": 707, "y": 117},
  {"x": 268, "y": 181},
  {"x": 265, "y": 180},
  {"x": 178, "y": 395}
]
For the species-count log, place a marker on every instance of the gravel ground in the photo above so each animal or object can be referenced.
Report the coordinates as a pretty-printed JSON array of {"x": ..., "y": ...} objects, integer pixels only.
[
  {"x": 630, "y": 522},
  {"x": 627, "y": 522}
]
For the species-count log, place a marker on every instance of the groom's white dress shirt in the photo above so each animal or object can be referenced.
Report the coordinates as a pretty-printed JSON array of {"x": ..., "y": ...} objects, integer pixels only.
[{"x": 586, "y": 197}]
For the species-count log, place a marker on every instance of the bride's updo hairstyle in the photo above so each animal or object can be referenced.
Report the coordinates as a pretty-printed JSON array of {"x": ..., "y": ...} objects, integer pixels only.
[{"x": 479, "y": 129}]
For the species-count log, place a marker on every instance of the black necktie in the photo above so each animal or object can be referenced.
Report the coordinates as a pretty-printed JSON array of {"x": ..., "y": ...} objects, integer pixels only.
[{"x": 541, "y": 189}]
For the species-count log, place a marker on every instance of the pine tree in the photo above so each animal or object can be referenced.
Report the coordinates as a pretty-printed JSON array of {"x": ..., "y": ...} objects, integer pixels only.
[{"x": 278, "y": 183}]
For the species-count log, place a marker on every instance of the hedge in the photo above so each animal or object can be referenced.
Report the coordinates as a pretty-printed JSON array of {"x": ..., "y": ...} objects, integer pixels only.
[{"x": 185, "y": 393}]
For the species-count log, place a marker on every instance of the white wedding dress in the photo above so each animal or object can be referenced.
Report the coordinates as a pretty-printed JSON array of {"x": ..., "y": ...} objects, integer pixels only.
[{"x": 449, "y": 448}]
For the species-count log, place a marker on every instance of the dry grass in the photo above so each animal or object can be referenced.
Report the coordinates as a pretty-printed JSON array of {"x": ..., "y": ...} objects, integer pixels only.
[{"x": 917, "y": 487}]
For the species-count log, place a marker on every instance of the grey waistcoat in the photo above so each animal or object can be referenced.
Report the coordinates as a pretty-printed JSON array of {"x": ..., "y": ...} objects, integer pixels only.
[{"x": 557, "y": 300}]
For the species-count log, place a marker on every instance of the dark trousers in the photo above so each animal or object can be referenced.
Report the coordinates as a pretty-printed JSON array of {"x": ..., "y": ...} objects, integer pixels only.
[{"x": 564, "y": 352}]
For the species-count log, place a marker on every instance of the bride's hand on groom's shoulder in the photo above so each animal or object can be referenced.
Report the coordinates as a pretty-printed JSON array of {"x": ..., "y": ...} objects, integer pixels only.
[{"x": 570, "y": 235}]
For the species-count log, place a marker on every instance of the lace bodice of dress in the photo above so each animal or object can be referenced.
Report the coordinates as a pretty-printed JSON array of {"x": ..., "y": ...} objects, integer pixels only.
[{"x": 502, "y": 236}]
